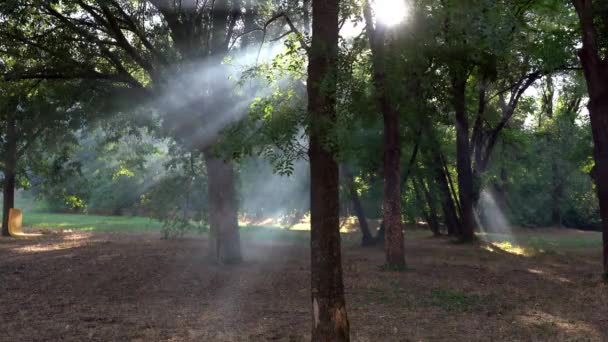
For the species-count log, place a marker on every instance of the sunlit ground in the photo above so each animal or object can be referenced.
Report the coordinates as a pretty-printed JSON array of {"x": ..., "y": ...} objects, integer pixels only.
[
  {"x": 73, "y": 241},
  {"x": 347, "y": 224},
  {"x": 529, "y": 242},
  {"x": 509, "y": 248},
  {"x": 523, "y": 242}
]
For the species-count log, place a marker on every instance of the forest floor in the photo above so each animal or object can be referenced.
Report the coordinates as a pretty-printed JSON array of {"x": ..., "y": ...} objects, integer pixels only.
[{"x": 132, "y": 286}]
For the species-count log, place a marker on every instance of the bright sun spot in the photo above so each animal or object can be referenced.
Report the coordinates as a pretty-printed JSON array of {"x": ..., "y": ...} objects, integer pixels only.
[{"x": 390, "y": 12}]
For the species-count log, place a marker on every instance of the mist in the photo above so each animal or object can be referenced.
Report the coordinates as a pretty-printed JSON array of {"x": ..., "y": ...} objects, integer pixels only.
[
  {"x": 200, "y": 99},
  {"x": 491, "y": 219},
  {"x": 271, "y": 198}
]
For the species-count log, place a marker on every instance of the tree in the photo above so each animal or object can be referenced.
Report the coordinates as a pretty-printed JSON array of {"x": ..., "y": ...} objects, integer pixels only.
[
  {"x": 37, "y": 120},
  {"x": 394, "y": 248},
  {"x": 489, "y": 60},
  {"x": 428, "y": 200},
  {"x": 118, "y": 41},
  {"x": 593, "y": 16},
  {"x": 330, "y": 322},
  {"x": 367, "y": 238}
]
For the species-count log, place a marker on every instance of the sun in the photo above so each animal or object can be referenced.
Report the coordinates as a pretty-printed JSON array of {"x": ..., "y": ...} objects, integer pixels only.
[{"x": 390, "y": 12}]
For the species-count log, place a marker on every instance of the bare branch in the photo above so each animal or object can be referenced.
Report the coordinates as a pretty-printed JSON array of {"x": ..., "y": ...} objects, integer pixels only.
[
  {"x": 133, "y": 27},
  {"x": 292, "y": 28}
]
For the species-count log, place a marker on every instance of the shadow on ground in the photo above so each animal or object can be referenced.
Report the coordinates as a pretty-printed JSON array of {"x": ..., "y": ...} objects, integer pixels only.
[{"x": 133, "y": 286}]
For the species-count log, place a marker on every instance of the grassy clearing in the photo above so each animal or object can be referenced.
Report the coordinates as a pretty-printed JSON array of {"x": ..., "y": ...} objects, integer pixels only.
[
  {"x": 528, "y": 242},
  {"x": 89, "y": 222},
  {"x": 525, "y": 242},
  {"x": 97, "y": 223},
  {"x": 452, "y": 300}
]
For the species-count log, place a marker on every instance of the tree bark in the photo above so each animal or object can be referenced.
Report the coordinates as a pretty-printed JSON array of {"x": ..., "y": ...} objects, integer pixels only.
[
  {"x": 463, "y": 159},
  {"x": 329, "y": 318},
  {"x": 598, "y": 109},
  {"x": 224, "y": 239},
  {"x": 10, "y": 170},
  {"x": 556, "y": 195},
  {"x": 395, "y": 256},
  {"x": 595, "y": 69},
  {"x": 393, "y": 246},
  {"x": 448, "y": 207},
  {"x": 451, "y": 187},
  {"x": 420, "y": 189},
  {"x": 436, "y": 164},
  {"x": 430, "y": 198},
  {"x": 367, "y": 239}
]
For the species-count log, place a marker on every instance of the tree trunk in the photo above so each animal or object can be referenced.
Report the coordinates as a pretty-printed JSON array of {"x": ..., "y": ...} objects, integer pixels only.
[
  {"x": 430, "y": 198},
  {"x": 224, "y": 239},
  {"x": 431, "y": 214},
  {"x": 596, "y": 73},
  {"x": 10, "y": 170},
  {"x": 393, "y": 246},
  {"x": 329, "y": 318},
  {"x": 463, "y": 160},
  {"x": 448, "y": 207},
  {"x": 367, "y": 239},
  {"x": 556, "y": 196},
  {"x": 598, "y": 109},
  {"x": 451, "y": 187},
  {"x": 436, "y": 164}
]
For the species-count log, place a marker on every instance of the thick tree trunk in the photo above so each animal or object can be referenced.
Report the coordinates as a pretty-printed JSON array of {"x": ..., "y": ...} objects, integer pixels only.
[
  {"x": 9, "y": 199},
  {"x": 598, "y": 110},
  {"x": 596, "y": 73},
  {"x": 394, "y": 248},
  {"x": 367, "y": 239},
  {"x": 224, "y": 239},
  {"x": 329, "y": 318},
  {"x": 463, "y": 160},
  {"x": 599, "y": 122},
  {"x": 10, "y": 170}
]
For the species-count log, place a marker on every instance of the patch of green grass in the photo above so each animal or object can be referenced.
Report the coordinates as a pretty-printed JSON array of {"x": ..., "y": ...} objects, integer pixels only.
[
  {"x": 544, "y": 243},
  {"x": 453, "y": 300},
  {"x": 97, "y": 223},
  {"x": 393, "y": 268},
  {"x": 395, "y": 294},
  {"x": 89, "y": 222},
  {"x": 548, "y": 242}
]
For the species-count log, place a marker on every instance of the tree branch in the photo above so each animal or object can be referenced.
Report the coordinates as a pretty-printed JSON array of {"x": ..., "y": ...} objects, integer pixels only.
[{"x": 292, "y": 28}]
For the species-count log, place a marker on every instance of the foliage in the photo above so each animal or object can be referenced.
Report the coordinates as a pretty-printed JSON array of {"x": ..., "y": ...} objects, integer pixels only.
[
  {"x": 106, "y": 173},
  {"x": 128, "y": 111},
  {"x": 179, "y": 198}
]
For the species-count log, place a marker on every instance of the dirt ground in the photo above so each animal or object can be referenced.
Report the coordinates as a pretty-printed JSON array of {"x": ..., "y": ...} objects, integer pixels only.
[{"x": 76, "y": 286}]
